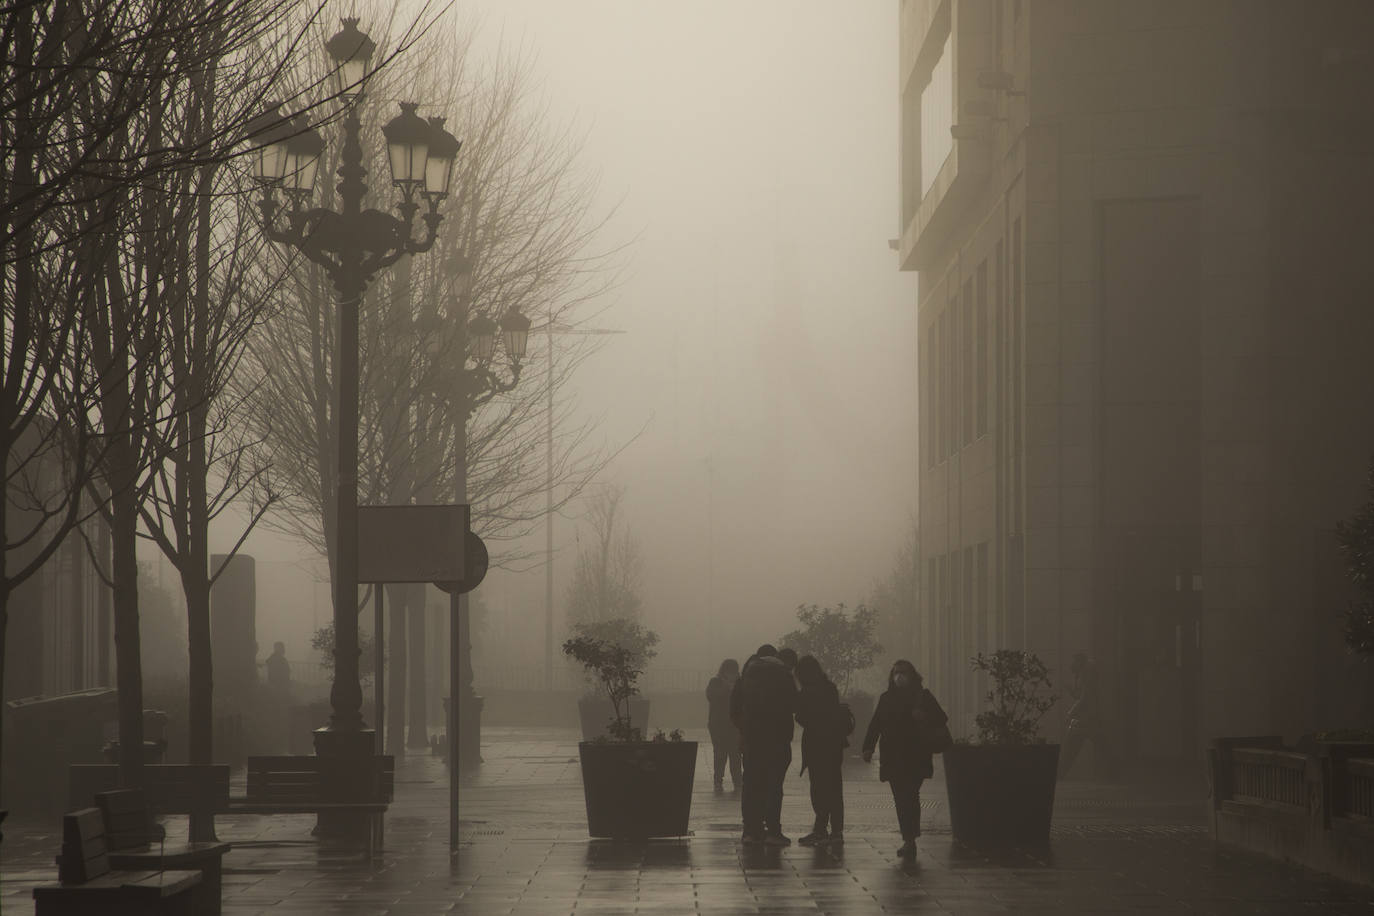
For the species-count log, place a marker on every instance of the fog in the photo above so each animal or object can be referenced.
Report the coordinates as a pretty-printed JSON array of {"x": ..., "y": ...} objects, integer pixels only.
[{"x": 763, "y": 386}]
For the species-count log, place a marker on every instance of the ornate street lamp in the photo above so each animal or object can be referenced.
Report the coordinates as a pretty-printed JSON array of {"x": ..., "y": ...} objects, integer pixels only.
[
  {"x": 454, "y": 335},
  {"x": 351, "y": 244}
]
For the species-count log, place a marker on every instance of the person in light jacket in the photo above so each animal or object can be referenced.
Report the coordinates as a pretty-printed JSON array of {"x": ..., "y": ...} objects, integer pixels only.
[{"x": 906, "y": 712}]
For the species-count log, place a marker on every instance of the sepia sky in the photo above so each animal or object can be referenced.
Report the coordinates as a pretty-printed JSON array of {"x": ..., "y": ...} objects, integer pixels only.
[
  {"x": 749, "y": 152},
  {"x": 751, "y": 149}
]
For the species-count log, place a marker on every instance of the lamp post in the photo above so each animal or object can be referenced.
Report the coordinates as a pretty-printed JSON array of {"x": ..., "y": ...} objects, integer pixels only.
[
  {"x": 469, "y": 339},
  {"x": 351, "y": 244}
]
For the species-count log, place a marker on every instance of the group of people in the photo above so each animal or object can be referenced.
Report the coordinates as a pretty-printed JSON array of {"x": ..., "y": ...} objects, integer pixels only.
[{"x": 752, "y": 716}]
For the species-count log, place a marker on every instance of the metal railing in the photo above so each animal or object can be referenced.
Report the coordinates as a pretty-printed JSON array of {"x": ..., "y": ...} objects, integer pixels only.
[
  {"x": 566, "y": 678},
  {"x": 1261, "y": 774},
  {"x": 571, "y": 679},
  {"x": 1359, "y": 790}
]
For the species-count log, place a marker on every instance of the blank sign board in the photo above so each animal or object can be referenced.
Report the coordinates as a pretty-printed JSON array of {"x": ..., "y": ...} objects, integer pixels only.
[{"x": 411, "y": 543}]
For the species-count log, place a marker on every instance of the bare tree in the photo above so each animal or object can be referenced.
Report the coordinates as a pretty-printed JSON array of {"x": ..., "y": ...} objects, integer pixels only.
[
  {"x": 609, "y": 569},
  {"x": 79, "y": 81},
  {"x": 517, "y": 234}
]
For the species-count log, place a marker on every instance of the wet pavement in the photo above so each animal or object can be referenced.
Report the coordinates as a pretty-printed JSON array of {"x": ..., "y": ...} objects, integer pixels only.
[{"x": 524, "y": 850}]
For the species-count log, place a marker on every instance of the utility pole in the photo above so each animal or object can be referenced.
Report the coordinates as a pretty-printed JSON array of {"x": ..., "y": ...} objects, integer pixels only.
[{"x": 553, "y": 327}]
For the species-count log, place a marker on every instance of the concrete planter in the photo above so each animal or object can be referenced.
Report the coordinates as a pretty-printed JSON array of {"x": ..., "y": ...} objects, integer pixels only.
[
  {"x": 638, "y": 789},
  {"x": 1001, "y": 795}
]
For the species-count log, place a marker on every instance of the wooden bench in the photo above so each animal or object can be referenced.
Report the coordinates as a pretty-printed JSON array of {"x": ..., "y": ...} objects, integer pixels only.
[
  {"x": 88, "y": 887},
  {"x": 135, "y": 842},
  {"x": 314, "y": 785},
  {"x": 168, "y": 788}
]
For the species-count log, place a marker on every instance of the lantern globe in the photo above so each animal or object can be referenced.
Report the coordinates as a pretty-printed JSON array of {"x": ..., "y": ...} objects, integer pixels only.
[
  {"x": 303, "y": 159},
  {"x": 268, "y": 136},
  {"x": 515, "y": 333},
  {"x": 483, "y": 330},
  {"x": 407, "y": 145},
  {"x": 443, "y": 152},
  {"x": 351, "y": 50},
  {"x": 460, "y": 269}
]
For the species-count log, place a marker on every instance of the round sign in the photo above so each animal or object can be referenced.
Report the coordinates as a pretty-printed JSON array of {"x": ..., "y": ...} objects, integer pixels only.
[{"x": 474, "y": 565}]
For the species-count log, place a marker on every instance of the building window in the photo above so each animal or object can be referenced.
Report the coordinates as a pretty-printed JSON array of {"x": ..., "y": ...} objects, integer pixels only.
[
  {"x": 986, "y": 639},
  {"x": 942, "y": 391},
  {"x": 1017, "y": 381},
  {"x": 937, "y": 117},
  {"x": 980, "y": 333},
  {"x": 966, "y": 358},
  {"x": 928, "y": 399}
]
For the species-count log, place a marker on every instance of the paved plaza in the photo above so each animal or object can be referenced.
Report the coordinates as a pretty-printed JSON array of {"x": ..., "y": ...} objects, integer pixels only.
[{"x": 524, "y": 850}]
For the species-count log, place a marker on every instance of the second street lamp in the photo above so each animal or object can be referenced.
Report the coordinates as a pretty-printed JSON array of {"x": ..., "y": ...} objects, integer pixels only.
[
  {"x": 351, "y": 244},
  {"x": 463, "y": 339}
]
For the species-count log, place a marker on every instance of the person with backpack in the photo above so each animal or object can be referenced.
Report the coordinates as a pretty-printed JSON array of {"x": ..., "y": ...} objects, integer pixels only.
[
  {"x": 907, "y": 727},
  {"x": 826, "y": 724}
]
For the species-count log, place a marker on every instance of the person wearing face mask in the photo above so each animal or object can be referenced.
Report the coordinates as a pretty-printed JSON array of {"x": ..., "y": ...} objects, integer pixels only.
[{"x": 906, "y": 715}]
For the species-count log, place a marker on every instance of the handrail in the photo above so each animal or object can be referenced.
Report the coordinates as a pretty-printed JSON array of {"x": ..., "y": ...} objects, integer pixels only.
[
  {"x": 1359, "y": 789},
  {"x": 1268, "y": 775}
]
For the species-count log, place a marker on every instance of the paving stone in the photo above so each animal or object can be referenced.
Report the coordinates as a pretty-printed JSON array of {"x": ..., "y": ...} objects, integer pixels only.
[{"x": 524, "y": 849}]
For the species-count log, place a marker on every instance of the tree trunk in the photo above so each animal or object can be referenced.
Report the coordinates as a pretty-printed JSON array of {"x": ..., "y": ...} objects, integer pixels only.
[
  {"x": 419, "y": 689},
  {"x": 128, "y": 657},
  {"x": 200, "y": 710},
  {"x": 397, "y": 596},
  {"x": 4, "y": 626}
]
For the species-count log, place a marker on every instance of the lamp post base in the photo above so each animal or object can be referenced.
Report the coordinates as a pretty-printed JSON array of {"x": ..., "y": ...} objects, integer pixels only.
[
  {"x": 468, "y": 729},
  {"x": 350, "y": 776}
]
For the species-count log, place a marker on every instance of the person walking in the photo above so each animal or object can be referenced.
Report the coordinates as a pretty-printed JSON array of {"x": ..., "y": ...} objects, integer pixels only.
[
  {"x": 1085, "y": 719},
  {"x": 761, "y": 707},
  {"x": 901, "y": 729},
  {"x": 822, "y": 750},
  {"x": 724, "y": 735}
]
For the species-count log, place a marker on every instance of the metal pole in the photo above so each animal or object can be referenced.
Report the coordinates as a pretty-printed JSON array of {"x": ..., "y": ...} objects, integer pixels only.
[
  {"x": 459, "y": 663},
  {"x": 548, "y": 528},
  {"x": 346, "y": 694},
  {"x": 379, "y": 693}
]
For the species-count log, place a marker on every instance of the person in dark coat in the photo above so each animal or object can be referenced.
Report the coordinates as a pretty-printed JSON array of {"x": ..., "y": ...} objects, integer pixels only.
[
  {"x": 761, "y": 706},
  {"x": 822, "y": 750},
  {"x": 1085, "y": 718},
  {"x": 724, "y": 735},
  {"x": 905, "y": 713}
]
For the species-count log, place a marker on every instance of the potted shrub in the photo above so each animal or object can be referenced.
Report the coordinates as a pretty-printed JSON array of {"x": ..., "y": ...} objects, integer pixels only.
[
  {"x": 1001, "y": 786},
  {"x": 594, "y": 711},
  {"x": 633, "y": 788},
  {"x": 843, "y": 642}
]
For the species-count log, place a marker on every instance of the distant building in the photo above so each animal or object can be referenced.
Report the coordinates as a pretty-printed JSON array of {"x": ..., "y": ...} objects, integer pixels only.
[
  {"x": 1144, "y": 234},
  {"x": 60, "y": 635}
]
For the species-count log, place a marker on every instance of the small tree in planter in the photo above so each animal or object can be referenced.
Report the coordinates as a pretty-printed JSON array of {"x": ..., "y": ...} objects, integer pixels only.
[
  {"x": 1356, "y": 537},
  {"x": 633, "y": 788},
  {"x": 615, "y": 666},
  {"x": 638, "y": 643},
  {"x": 1001, "y": 787},
  {"x": 843, "y": 642}
]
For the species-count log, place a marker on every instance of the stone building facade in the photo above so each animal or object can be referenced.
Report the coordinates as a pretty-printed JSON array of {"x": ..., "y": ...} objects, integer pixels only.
[{"x": 1143, "y": 236}]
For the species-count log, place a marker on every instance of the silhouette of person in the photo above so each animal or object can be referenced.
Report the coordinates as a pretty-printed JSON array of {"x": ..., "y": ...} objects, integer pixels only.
[
  {"x": 906, "y": 710},
  {"x": 1085, "y": 717},
  {"x": 822, "y": 750},
  {"x": 761, "y": 706},
  {"x": 278, "y": 669},
  {"x": 725, "y": 738}
]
